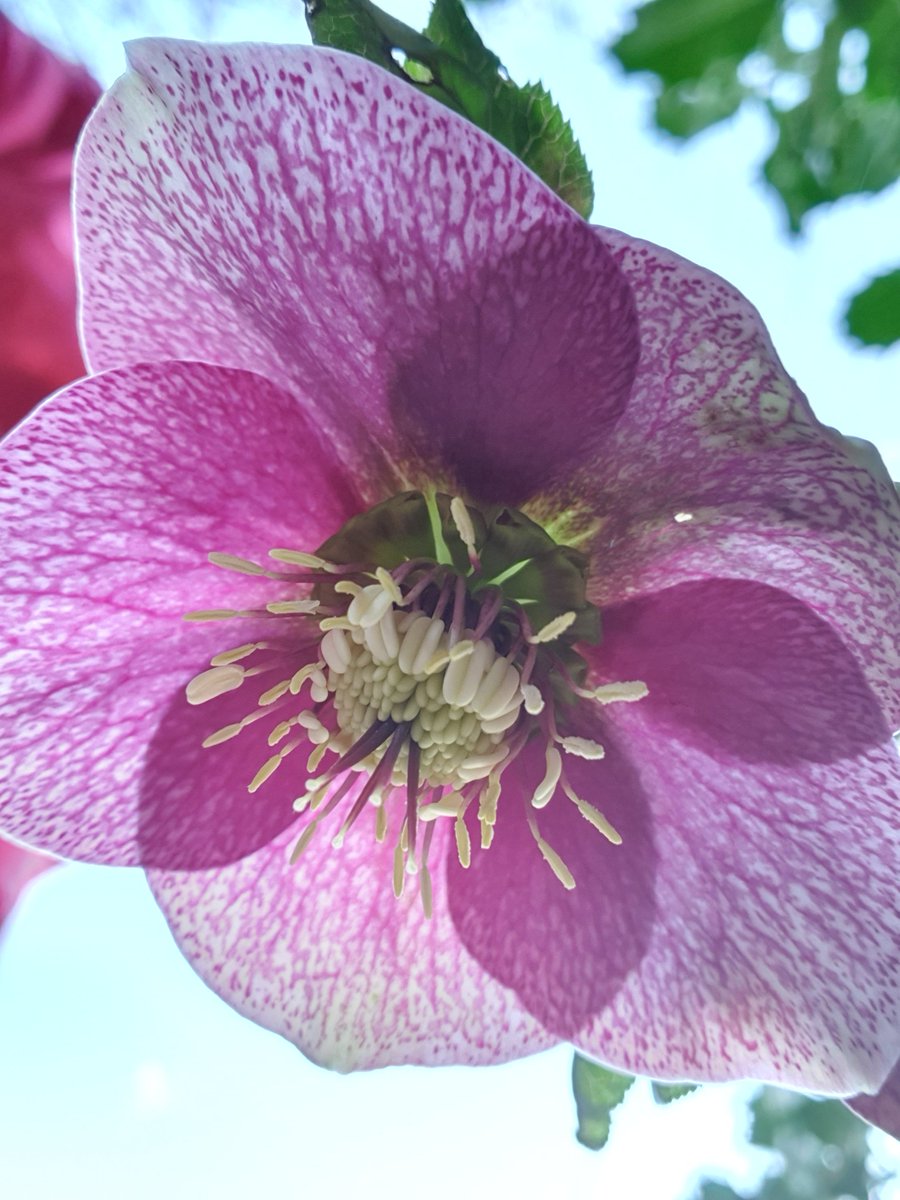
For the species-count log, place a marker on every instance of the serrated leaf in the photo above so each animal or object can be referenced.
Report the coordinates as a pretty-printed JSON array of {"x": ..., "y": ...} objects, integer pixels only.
[
  {"x": 665, "y": 1093},
  {"x": 597, "y": 1092},
  {"x": 680, "y": 39},
  {"x": 450, "y": 63},
  {"x": 873, "y": 315}
]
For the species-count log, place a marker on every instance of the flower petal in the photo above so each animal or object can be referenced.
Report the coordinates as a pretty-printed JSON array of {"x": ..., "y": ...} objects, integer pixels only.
[
  {"x": 882, "y": 1110},
  {"x": 111, "y": 496},
  {"x": 775, "y": 792},
  {"x": 304, "y": 214},
  {"x": 43, "y": 103},
  {"x": 18, "y": 867},
  {"x": 565, "y": 953},
  {"x": 323, "y": 954},
  {"x": 719, "y": 469}
]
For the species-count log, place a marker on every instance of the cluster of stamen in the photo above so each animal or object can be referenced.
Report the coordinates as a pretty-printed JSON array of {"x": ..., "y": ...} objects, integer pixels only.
[{"x": 426, "y": 684}]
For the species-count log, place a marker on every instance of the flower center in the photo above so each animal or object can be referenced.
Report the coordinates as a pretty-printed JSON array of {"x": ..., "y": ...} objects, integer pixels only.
[{"x": 428, "y": 644}]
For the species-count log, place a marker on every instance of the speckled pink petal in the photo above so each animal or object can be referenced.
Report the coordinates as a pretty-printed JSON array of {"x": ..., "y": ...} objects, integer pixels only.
[
  {"x": 565, "y": 953},
  {"x": 111, "y": 496},
  {"x": 774, "y": 789},
  {"x": 718, "y": 468},
  {"x": 301, "y": 213},
  {"x": 325, "y": 955},
  {"x": 18, "y": 867},
  {"x": 882, "y": 1110}
]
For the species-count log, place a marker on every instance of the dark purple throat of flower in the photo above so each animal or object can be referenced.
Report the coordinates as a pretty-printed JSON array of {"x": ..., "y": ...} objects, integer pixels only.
[{"x": 428, "y": 643}]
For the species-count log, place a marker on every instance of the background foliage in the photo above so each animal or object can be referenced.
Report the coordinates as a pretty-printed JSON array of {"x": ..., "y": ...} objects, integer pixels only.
[{"x": 828, "y": 76}]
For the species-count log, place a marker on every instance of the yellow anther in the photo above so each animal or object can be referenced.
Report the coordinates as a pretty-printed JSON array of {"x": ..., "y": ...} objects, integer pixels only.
[{"x": 553, "y": 629}]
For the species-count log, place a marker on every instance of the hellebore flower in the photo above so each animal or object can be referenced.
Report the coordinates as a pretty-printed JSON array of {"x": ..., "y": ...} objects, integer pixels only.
[
  {"x": 545, "y": 692},
  {"x": 43, "y": 104},
  {"x": 44, "y": 101},
  {"x": 882, "y": 1110}
]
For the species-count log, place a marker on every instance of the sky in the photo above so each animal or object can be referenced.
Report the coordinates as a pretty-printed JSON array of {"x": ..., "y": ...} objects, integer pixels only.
[{"x": 121, "y": 1076}]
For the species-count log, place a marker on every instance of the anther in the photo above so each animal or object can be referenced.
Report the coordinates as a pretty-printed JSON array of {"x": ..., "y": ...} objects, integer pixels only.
[
  {"x": 617, "y": 693},
  {"x": 553, "y": 629},
  {"x": 299, "y": 558},
  {"x": 582, "y": 747},
  {"x": 553, "y": 860},
  {"x": 593, "y": 815},
  {"x": 214, "y": 682},
  {"x": 553, "y": 769},
  {"x": 280, "y": 608}
]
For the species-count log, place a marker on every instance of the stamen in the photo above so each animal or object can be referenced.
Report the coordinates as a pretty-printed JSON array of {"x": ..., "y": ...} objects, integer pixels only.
[
  {"x": 271, "y": 765},
  {"x": 212, "y": 614},
  {"x": 231, "y": 562},
  {"x": 424, "y": 873},
  {"x": 617, "y": 693},
  {"x": 449, "y": 805},
  {"x": 582, "y": 747},
  {"x": 335, "y": 623},
  {"x": 300, "y": 558},
  {"x": 465, "y": 529},
  {"x": 545, "y": 789},
  {"x": 284, "y": 607},
  {"x": 414, "y": 755},
  {"x": 274, "y": 693},
  {"x": 463, "y": 843},
  {"x": 369, "y": 606},
  {"x": 399, "y": 873},
  {"x": 553, "y": 629},
  {"x": 553, "y": 860},
  {"x": 310, "y": 671},
  {"x": 387, "y": 582},
  {"x": 229, "y": 731},
  {"x": 214, "y": 682},
  {"x": 227, "y": 657},
  {"x": 380, "y": 823}
]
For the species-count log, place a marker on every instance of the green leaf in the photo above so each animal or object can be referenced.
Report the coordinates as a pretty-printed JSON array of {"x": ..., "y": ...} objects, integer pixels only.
[
  {"x": 687, "y": 107},
  {"x": 873, "y": 315},
  {"x": 822, "y": 1147},
  {"x": 450, "y": 63},
  {"x": 665, "y": 1093},
  {"x": 680, "y": 39},
  {"x": 835, "y": 135},
  {"x": 824, "y": 153},
  {"x": 597, "y": 1092}
]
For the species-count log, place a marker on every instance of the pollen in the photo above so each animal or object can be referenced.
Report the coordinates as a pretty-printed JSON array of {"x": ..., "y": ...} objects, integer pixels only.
[{"x": 415, "y": 655}]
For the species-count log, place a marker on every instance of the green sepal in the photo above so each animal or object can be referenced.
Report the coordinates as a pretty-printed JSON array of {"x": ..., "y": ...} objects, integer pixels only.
[
  {"x": 551, "y": 580},
  {"x": 384, "y": 536},
  {"x": 665, "y": 1093},
  {"x": 597, "y": 1092},
  {"x": 450, "y": 63}
]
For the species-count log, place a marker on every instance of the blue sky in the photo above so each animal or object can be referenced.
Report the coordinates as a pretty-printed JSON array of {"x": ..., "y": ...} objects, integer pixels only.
[{"x": 121, "y": 1076}]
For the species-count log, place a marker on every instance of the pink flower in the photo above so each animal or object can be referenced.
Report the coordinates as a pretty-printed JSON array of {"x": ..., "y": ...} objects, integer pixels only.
[
  {"x": 43, "y": 104},
  {"x": 333, "y": 321},
  {"x": 883, "y": 1109}
]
